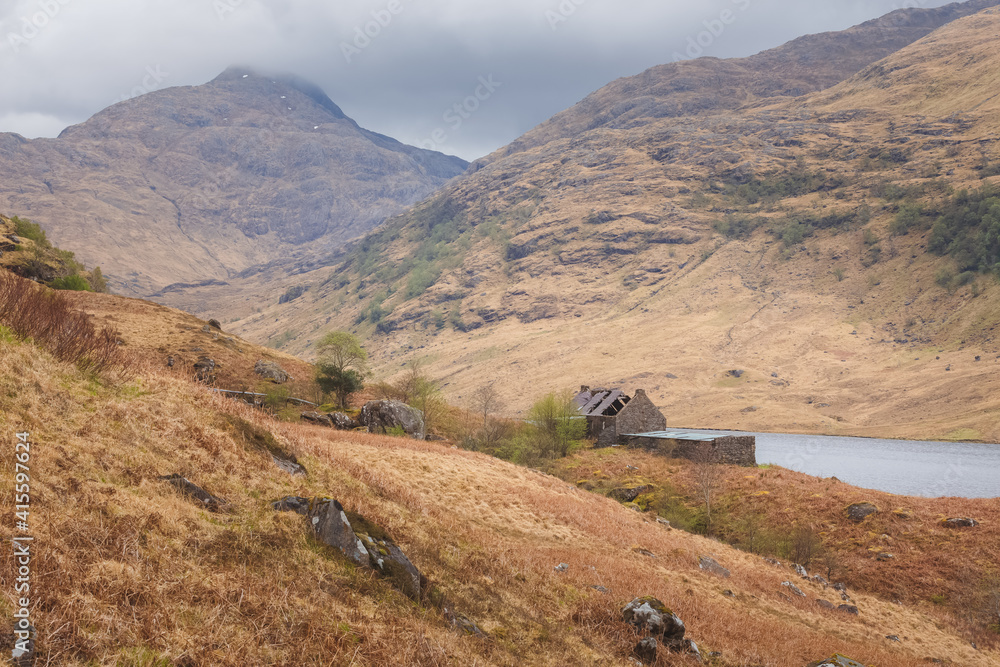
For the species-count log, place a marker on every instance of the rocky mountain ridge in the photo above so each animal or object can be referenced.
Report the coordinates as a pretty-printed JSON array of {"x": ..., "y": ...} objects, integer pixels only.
[{"x": 198, "y": 183}]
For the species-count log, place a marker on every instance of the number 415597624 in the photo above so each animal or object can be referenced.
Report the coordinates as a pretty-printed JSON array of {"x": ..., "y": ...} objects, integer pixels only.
[{"x": 23, "y": 455}]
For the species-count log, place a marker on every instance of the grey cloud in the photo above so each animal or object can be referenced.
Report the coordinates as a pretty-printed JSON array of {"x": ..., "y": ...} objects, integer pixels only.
[{"x": 422, "y": 60}]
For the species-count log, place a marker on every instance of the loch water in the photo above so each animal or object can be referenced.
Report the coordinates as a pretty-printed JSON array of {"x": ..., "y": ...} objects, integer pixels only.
[{"x": 906, "y": 467}]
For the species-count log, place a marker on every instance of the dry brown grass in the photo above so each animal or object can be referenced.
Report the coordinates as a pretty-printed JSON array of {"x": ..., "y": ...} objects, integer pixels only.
[
  {"x": 941, "y": 572},
  {"x": 154, "y": 332},
  {"x": 129, "y": 572}
]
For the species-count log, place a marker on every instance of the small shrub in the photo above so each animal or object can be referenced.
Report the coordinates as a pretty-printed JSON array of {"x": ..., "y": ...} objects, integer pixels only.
[
  {"x": 30, "y": 230},
  {"x": 944, "y": 277},
  {"x": 909, "y": 216},
  {"x": 75, "y": 282},
  {"x": 97, "y": 281},
  {"x": 838, "y": 273},
  {"x": 735, "y": 227}
]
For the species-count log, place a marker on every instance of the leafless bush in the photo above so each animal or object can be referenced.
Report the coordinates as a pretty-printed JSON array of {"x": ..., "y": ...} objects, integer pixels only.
[
  {"x": 45, "y": 317},
  {"x": 805, "y": 545},
  {"x": 708, "y": 478}
]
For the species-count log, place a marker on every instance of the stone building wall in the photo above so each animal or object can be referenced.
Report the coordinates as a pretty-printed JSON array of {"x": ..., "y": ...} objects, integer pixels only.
[
  {"x": 641, "y": 415},
  {"x": 731, "y": 450},
  {"x": 603, "y": 430}
]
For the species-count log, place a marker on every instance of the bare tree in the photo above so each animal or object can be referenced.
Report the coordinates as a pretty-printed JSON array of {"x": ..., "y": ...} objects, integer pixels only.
[
  {"x": 486, "y": 401},
  {"x": 751, "y": 527},
  {"x": 708, "y": 477},
  {"x": 831, "y": 564},
  {"x": 805, "y": 545}
]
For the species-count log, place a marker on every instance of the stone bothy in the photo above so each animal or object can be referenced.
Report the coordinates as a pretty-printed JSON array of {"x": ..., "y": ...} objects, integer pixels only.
[{"x": 610, "y": 412}]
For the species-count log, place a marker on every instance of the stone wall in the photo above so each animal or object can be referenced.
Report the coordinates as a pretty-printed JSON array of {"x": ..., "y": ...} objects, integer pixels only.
[
  {"x": 603, "y": 430},
  {"x": 731, "y": 450},
  {"x": 641, "y": 415}
]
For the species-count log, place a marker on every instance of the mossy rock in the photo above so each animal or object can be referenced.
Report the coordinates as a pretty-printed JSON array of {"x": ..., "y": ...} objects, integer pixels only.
[
  {"x": 858, "y": 512},
  {"x": 363, "y": 526},
  {"x": 648, "y": 614},
  {"x": 645, "y": 500}
]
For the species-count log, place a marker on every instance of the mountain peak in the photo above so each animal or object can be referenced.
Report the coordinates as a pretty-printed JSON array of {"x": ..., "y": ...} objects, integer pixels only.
[{"x": 249, "y": 75}]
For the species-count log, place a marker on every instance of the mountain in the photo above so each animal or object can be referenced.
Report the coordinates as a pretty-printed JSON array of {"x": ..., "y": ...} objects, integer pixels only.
[
  {"x": 198, "y": 183},
  {"x": 774, "y": 239},
  {"x": 708, "y": 85}
]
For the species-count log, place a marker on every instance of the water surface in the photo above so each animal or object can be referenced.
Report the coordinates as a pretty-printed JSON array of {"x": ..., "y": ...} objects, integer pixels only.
[{"x": 907, "y": 467}]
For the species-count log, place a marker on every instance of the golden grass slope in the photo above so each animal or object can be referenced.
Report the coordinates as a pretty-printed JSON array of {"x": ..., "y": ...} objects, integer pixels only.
[
  {"x": 127, "y": 571},
  {"x": 951, "y": 71},
  {"x": 951, "y": 571},
  {"x": 155, "y": 333}
]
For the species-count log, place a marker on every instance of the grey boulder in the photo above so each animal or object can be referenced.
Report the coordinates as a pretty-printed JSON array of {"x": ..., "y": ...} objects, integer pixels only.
[
  {"x": 192, "y": 490},
  {"x": 330, "y": 524},
  {"x": 858, "y": 512},
  {"x": 381, "y": 416},
  {"x": 270, "y": 370},
  {"x": 650, "y": 616},
  {"x": 317, "y": 418},
  {"x": 711, "y": 565},
  {"x": 342, "y": 421}
]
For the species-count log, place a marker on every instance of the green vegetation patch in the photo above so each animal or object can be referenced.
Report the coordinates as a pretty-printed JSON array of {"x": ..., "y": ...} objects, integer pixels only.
[{"x": 968, "y": 230}]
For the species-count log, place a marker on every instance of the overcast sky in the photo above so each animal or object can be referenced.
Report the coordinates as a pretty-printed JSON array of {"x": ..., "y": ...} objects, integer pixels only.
[{"x": 61, "y": 61}]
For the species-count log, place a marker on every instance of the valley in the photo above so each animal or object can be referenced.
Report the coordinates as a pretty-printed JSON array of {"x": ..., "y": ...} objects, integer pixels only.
[
  {"x": 664, "y": 254},
  {"x": 297, "y": 393}
]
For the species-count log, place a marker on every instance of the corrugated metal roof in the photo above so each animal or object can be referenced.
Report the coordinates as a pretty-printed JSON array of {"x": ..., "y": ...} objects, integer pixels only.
[
  {"x": 594, "y": 403},
  {"x": 612, "y": 396}
]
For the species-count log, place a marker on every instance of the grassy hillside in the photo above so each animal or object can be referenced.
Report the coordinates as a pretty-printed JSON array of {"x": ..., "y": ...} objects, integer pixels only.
[
  {"x": 795, "y": 241},
  {"x": 129, "y": 572},
  {"x": 26, "y": 251}
]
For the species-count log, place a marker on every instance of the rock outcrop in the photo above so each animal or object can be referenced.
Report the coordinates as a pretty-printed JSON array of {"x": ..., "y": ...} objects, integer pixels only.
[
  {"x": 317, "y": 418},
  {"x": 959, "y": 523},
  {"x": 650, "y": 617},
  {"x": 192, "y": 490},
  {"x": 331, "y": 525},
  {"x": 628, "y": 495},
  {"x": 204, "y": 370},
  {"x": 337, "y": 420},
  {"x": 381, "y": 416},
  {"x": 270, "y": 370},
  {"x": 360, "y": 541},
  {"x": 711, "y": 565},
  {"x": 793, "y": 588},
  {"x": 342, "y": 421},
  {"x": 858, "y": 512}
]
